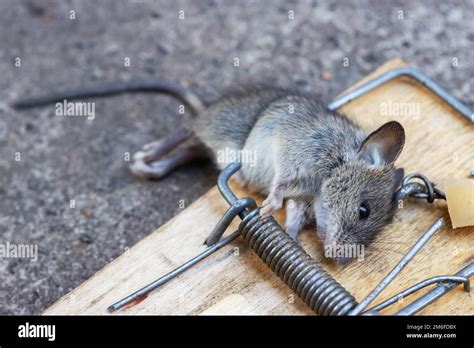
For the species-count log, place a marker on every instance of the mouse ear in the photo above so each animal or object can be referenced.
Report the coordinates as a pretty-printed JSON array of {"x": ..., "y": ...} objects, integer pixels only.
[{"x": 382, "y": 146}]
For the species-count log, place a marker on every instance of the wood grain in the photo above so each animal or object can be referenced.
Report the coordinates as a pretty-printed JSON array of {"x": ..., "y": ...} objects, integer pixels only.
[{"x": 439, "y": 144}]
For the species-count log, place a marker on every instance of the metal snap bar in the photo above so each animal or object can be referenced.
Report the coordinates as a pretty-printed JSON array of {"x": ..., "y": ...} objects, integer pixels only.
[
  {"x": 440, "y": 290},
  {"x": 421, "y": 285},
  {"x": 413, "y": 73}
]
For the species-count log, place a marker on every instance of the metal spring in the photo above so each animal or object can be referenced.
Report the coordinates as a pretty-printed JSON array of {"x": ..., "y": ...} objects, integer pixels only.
[{"x": 321, "y": 292}]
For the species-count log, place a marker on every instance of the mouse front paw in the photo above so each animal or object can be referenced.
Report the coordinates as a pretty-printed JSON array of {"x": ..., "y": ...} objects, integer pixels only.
[
  {"x": 293, "y": 231},
  {"x": 270, "y": 205}
]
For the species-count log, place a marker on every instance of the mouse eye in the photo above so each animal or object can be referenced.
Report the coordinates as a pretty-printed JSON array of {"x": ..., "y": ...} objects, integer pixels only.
[{"x": 364, "y": 211}]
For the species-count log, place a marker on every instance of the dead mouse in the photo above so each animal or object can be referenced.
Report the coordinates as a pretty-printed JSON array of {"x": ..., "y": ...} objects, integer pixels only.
[{"x": 292, "y": 148}]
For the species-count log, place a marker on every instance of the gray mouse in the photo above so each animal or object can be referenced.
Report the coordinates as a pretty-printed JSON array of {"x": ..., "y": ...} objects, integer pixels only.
[{"x": 317, "y": 162}]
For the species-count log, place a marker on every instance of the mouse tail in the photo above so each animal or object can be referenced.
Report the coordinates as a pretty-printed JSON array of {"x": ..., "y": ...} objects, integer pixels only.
[{"x": 181, "y": 93}]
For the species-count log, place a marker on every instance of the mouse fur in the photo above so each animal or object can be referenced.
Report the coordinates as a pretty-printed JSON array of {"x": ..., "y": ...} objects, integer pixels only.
[{"x": 317, "y": 162}]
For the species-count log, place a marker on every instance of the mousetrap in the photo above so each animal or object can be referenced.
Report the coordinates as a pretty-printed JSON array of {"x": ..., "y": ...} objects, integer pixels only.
[{"x": 257, "y": 269}]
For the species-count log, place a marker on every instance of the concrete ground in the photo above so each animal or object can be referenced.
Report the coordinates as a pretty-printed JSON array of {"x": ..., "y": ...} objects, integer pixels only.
[{"x": 65, "y": 161}]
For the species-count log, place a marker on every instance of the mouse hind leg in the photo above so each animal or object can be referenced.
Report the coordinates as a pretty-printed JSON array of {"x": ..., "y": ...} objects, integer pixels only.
[
  {"x": 157, "y": 149},
  {"x": 161, "y": 168},
  {"x": 159, "y": 158}
]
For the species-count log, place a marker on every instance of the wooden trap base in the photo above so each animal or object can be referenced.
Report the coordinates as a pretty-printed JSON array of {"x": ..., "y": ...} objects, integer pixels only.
[{"x": 439, "y": 144}]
